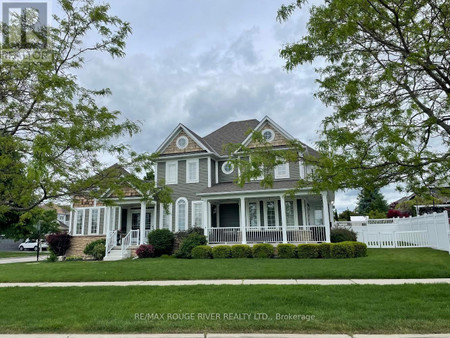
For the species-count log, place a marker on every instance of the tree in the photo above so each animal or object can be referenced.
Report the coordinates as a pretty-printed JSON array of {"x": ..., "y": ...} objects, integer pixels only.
[
  {"x": 53, "y": 132},
  {"x": 385, "y": 74},
  {"x": 371, "y": 201}
]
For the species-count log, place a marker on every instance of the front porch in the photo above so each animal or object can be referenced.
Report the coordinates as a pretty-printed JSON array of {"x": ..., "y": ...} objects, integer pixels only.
[{"x": 269, "y": 218}]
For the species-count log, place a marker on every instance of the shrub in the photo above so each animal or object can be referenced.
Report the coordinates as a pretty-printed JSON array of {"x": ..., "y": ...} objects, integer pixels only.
[
  {"x": 99, "y": 251},
  {"x": 52, "y": 257},
  {"x": 286, "y": 251},
  {"x": 342, "y": 250},
  {"x": 145, "y": 251},
  {"x": 162, "y": 241},
  {"x": 393, "y": 213},
  {"x": 308, "y": 251},
  {"x": 241, "y": 251},
  {"x": 59, "y": 243},
  {"x": 325, "y": 250},
  {"x": 221, "y": 251},
  {"x": 360, "y": 249},
  {"x": 167, "y": 256},
  {"x": 73, "y": 258},
  {"x": 201, "y": 252},
  {"x": 342, "y": 235},
  {"x": 263, "y": 250},
  {"x": 89, "y": 248},
  {"x": 181, "y": 235},
  {"x": 189, "y": 243}
]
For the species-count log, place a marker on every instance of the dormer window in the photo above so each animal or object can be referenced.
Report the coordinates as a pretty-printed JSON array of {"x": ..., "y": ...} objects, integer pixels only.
[
  {"x": 182, "y": 142},
  {"x": 227, "y": 168},
  {"x": 268, "y": 135}
]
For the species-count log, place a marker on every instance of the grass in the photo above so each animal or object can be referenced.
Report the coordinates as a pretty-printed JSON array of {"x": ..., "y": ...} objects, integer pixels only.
[
  {"x": 381, "y": 263},
  {"x": 9, "y": 254},
  {"x": 336, "y": 309}
]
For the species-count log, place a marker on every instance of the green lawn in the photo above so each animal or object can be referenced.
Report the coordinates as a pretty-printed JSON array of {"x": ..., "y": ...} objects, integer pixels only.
[
  {"x": 381, "y": 263},
  {"x": 336, "y": 309},
  {"x": 9, "y": 254}
]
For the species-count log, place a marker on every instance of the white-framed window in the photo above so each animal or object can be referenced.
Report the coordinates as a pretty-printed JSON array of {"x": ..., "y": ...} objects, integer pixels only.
[
  {"x": 166, "y": 217},
  {"x": 282, "y": 170},
  {"x": 79, "y": 221},
  {"x": 227, "y": 168},
  {"x": 268, "y": 134},
  {"x": 182, "y": 142},
  {"x": 272, "y": 213},
  {"x": 192, "y": 169},
  {"x": 94, "y": 222},
  {"x": 181, "y": 214},
  {"x": 172, "y": 172},
  {"x": 253, "y": 214},
  {"x": 197, "y": 214},
  {"x": 290, "y": 213},
  {"x": 302, "y": 168}
]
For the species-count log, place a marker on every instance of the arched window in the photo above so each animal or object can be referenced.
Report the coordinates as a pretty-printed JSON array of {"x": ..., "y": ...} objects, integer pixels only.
[{"x": 181, "y": 211}]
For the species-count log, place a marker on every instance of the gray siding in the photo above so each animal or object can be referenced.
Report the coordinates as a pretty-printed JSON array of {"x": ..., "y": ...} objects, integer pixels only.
[
  {"x": 294, "y": 170},
  {"x": 183, "y": 189},
  {"x": 223, "y": 178}
]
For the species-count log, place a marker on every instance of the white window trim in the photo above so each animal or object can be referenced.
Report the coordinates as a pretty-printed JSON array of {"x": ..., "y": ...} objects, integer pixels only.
[
  {"x": 161, "y": 216},
  {"x": 258, "y": 214},
  {"x": 302, "y": 168},
  {"x": 224, "y": 170},
  {"x": 271, "y": 131},
  {"x": 196, "y": 179},
  {"x": 175, "y": 181},
  {"x": 186, "y": 213},
  {"x": 82, "y": 220},
  {"x": 266, "y": 213},
  {"x": 182, "y": 137},
  {"x": 202, "y": 206},
  {"x": 277, "y": 175},
  {"x": 90, "y": 221}
]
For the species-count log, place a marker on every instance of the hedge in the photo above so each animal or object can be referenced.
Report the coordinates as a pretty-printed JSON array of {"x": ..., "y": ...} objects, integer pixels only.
[
  {"x": 89, "y": 248},
  {"x": 202, "y": 252},
  {"x": 325, "y": 250},
  {"x": 189, "y": 243},
  {"x": 241, "y": 251},
  {"x": 286, "y": 251},
  {"x": 263, "y": 250},
  {"x": 221, "y": 251},
  {"x": 360, "y": 249},
  {"x": 308, "y": 251},
  {"x": 342, "y": 250}
]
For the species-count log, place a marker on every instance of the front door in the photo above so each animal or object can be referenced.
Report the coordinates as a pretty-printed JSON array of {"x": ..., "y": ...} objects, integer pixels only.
[{"x": 136, "y": 220}]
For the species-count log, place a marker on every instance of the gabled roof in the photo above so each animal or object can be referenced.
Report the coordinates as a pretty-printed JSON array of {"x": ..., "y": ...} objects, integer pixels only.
[
  {"x": 197, "y": 139},
  {"x": 233, "y": 132}
]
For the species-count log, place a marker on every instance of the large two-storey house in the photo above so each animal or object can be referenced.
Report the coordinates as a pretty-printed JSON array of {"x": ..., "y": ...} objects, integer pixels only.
[{"x": 205, "y": 195}]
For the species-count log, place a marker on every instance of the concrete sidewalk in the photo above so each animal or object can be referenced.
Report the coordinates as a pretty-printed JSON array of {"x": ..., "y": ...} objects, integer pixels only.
[
  {"x": 223, "y": 335},
  {"x": 237, "y": 282},
  {"x": 26, "y": 259}
]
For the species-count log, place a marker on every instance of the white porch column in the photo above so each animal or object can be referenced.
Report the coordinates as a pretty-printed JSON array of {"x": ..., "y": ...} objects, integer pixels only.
[
  {"x": 242, "y": 221},
  {"x": 142, "y": 223},
  {"x": 108, "y": 219},
  {"x": 283, "y": 218},
  {"x": 206, "y": 226},
  {"x": 326, "y": 216},
  {"x": 154, "y": 216}
]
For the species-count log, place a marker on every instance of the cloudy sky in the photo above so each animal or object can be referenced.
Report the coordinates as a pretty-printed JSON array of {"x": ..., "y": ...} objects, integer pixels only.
[{"x": 205, "y": 63}]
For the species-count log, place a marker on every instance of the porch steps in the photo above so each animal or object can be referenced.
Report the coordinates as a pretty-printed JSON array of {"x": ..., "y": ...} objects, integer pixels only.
[{"x": 115, "y": 254}]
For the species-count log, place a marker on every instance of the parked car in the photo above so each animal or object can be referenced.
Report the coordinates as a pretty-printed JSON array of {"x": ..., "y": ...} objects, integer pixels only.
[{"x": 32, "y": 245}]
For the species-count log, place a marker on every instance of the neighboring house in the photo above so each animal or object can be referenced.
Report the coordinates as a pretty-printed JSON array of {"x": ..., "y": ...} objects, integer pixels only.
[
  {"x": 62, "y": 215},
  {"x": 439, "y": 201},
  {"x": 204, "y": 195}
]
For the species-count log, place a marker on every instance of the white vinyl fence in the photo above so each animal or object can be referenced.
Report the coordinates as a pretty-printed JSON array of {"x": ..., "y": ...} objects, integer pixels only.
[{"x": 431, "y": 231}]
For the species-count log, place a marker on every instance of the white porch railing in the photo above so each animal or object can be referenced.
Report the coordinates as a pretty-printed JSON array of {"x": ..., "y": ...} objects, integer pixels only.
[
  {"x": 295, "y": 234},
  {"x": 132, "y": 238},
  {"x": 111, "y": 240},
  {"x": 224, "y": 235}
]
